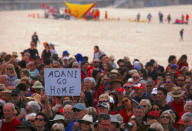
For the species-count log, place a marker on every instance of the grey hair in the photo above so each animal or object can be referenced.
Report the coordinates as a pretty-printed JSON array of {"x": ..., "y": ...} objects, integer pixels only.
[
  {"x": 187, "y": 114},
  {"x": 147, "y": 101},
  {"x": 67, "y": 106},
  {"x": 91, "y": 79},
  {"x": 139, "y": 107},
  {"x": 157, "y": 126},
  {"x": 35, "y": 106},
  {"x": 75, "y": 62},
  {"x": 29, "y": 115},
  {"x": 61, "y": 126},
  {"x": 12, "y": 105},
  {"x": 186, "y": 104}
]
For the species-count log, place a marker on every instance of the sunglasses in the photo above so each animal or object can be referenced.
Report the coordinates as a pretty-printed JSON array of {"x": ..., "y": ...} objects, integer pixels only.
[
  {"x": 156, "y": 109},
  {"x": 125, "y": 101},
  {"x": 9, "y": 69},
  {"x": 144, "y": 106},
  {"x": 165, "y": 117},
  {"x": 40, "y": 119},
  {"x": 151, "y": 117},
  {"x": 14, "y": 95},
  {"x": 127, "y": 87},
  {"x": 76, "y": 110},
  {"x": 31, "y": 120},
  {"x": 102, "y": 101},
  {"x": 135, "y": 77},
  {"x": 121, "y": 65},
  {"x": 85, "y": 122}
]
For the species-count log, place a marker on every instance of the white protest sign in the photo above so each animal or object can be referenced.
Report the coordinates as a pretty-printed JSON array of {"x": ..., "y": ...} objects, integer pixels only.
[{"x": 62, "y": 82}]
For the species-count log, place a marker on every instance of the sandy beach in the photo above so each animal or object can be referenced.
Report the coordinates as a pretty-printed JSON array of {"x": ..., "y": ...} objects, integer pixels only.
[{"x": 115, "y": 37}]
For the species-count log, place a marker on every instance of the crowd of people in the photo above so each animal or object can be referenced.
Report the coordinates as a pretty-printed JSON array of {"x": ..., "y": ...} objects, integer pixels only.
[{"x": 115, "y": 96}]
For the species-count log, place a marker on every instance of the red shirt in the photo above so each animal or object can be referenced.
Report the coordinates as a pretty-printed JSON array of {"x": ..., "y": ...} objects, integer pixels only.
[
  {"x": 125, "y": 116},
  {"x": 11, "y": 125},
  {"x": 178, "y": 107}
]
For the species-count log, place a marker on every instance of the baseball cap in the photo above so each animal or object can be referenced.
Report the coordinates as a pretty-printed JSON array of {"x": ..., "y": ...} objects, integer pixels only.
[
  {"x": 154, "y": 91},
  {"x": 65, "y": 52},
  {"x": 103, "y": 104},
  {"x": 79, "y": 106}
]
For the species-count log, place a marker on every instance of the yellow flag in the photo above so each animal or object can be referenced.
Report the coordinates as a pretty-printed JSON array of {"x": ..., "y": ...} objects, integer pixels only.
[{"x": 78, "y": 10}]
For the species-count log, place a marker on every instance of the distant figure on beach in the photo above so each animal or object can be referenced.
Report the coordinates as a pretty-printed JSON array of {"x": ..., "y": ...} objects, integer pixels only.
[
  {"x": 97, "y": 52},
  {"x": 106, "y": 15},
  {"x": 149, "y": 16},
  {"x": 187, "y": 18},
  {"x": 35, "y": 38},
  {"x": 182, "y": 18},
  {"x": 138, "y": 17},
  {"x": 169, "y": 18},
  {"x": 181, "y": 34},
  {"x": 160, "y": 17}
]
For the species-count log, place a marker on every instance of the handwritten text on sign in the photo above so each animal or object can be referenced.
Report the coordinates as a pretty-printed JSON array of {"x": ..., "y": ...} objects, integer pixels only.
[{"x": 62, "y": 82}]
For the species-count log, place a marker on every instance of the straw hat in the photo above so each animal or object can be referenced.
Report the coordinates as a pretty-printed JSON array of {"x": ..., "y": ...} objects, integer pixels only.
[
  {"x": 87, "y": 118},
  {"x": 36, "y": 97},
  {"x": 114, "y": 77},
  {"x": 37, "y": 85},
  {"x": 176, "y": 92},
  {"x": 58, "y": 117}
]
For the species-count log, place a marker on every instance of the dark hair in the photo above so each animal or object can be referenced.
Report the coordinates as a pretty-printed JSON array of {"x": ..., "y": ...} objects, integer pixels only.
[
  {"x": 97, "y": 47},
  {"x": 120, "y": 60},
  {"x": 21, "y": 87},
  {"x": 171, "y": 58},
  {"x": 152, "y": 129},
  {"x": 25, "y": 72},
  {"x": 156, "y": 103},
  {"x": 95, "y": 72},
  {"x": 85, "y": 58},
  {"x": 103, "y": 117},
  {"x": 183, "y": 57},
  {"x": 149, "y": 64},
  {"x": 1, "y": 60},
  {"x": 84, "y": 62},
  {"x": 163, "y": 90},
  {"x": 44, "y": 116}
]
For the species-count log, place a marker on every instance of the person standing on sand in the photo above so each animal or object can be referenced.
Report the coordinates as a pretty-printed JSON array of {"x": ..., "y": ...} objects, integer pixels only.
[
  {"x": 35, "y": 38},
  {"x": 169, "y": 18},
  {"x": 149, "y": 16},
  {"x": 181, "y": 34}
]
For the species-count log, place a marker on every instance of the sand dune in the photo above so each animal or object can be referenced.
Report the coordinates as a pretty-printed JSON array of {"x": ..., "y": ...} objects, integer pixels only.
[{"x": 119, "y": 38}]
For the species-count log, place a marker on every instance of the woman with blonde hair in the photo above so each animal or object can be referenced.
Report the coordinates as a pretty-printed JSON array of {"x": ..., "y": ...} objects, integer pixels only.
[
  {"x": 10, "y": 74},
  {"x": 146, "y": 103},
  {"x": 167, "y": 121}
]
